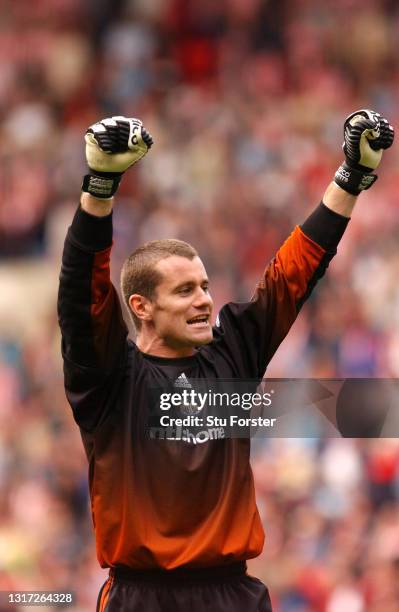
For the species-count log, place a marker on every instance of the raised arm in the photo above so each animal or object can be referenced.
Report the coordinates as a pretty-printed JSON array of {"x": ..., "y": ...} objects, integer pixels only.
[
  {"x": 254, "y": 330},
  {"x": 93, "y": 330},
  {"x": 298, "y": 265}
]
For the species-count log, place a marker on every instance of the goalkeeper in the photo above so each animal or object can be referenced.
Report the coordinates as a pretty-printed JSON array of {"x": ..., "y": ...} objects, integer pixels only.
[{"x": 176, "y": 522}]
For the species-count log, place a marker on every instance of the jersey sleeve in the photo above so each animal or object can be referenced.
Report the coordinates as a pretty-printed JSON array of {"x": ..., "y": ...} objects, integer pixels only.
[
  {"x": 94, "y": 335},
  {"x": 249, "y": 333}
]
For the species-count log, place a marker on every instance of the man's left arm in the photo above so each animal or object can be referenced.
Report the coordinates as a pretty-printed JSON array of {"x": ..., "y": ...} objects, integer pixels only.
[
  {"x": 297, "y": 267},
  {"x": 261, "y": 325}
]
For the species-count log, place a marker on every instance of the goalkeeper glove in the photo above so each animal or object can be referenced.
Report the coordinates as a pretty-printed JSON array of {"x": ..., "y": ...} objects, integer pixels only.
[
  {"x": 112, "y": 146},
  {"x": 366, "y": 134}
]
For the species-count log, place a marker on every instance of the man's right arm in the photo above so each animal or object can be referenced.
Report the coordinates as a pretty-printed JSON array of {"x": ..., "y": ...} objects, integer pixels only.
[
  {"x": 93, "y": 331},
  {"x": 94, "y": 206}
]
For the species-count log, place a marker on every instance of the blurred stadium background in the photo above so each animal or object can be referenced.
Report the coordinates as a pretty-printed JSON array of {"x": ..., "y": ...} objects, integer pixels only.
[{"x": 245, "y": 100}]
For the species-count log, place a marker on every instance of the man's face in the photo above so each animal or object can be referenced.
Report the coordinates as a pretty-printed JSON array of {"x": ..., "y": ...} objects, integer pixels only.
[{"x": 182, "y": 306}]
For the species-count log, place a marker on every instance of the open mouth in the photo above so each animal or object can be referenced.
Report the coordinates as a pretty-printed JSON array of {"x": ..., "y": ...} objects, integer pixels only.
[{"x": 199, "y": 321}]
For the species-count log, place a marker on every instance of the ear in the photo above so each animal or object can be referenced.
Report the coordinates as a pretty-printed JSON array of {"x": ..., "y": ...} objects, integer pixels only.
[{"x": 141, "y": 307}]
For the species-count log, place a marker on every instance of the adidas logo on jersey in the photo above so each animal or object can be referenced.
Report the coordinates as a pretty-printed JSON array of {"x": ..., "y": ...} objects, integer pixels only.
[{"x": 182, "y": 382}]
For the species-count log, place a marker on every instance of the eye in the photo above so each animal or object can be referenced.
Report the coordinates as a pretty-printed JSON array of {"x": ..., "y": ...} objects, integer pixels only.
[
  {"x": 205, "y": 287},
  {"x": 184, "y": 290}
]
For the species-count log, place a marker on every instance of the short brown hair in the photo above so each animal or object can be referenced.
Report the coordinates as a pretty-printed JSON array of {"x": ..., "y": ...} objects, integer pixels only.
[{"x": 139, "y": 274}]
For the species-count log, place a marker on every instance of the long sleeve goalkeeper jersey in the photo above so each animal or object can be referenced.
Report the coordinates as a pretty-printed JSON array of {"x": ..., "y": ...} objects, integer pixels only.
[{"x": 159, "y": 503}]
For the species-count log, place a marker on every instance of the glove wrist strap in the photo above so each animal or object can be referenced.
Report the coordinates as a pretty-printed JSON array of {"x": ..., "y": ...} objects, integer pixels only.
[
  {"x": 352, "y": 180},
  {"x": 102, "y": 185}
]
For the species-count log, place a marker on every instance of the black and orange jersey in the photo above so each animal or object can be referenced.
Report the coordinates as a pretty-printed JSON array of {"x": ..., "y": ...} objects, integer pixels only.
[{"x": 164, "y": 503}]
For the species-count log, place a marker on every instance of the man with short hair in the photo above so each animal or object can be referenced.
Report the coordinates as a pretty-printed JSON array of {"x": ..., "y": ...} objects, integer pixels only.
[{"x": 175, "y": 521}]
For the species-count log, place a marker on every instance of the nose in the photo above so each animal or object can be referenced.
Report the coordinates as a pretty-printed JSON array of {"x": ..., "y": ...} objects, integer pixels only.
[{"x": 203, "y": 299}]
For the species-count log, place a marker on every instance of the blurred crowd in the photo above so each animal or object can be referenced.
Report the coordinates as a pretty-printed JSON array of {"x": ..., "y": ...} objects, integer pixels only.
[{"x": 245, "y": 100}]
